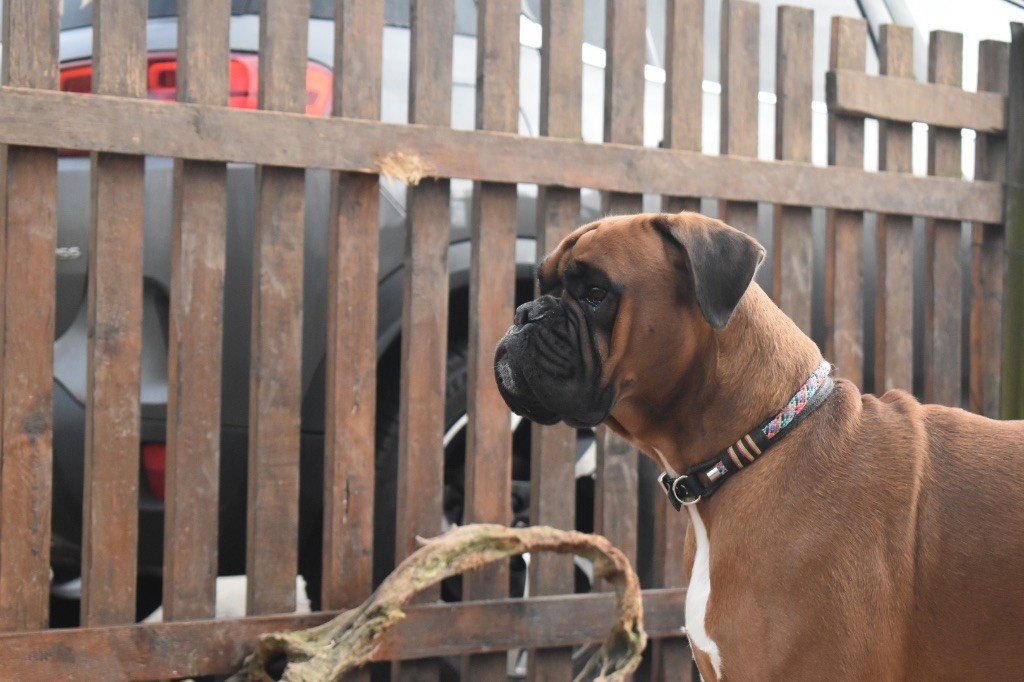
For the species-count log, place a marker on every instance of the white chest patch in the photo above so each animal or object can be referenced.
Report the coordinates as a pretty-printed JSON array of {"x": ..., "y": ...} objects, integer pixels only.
[{"x": 699, "y": 592}]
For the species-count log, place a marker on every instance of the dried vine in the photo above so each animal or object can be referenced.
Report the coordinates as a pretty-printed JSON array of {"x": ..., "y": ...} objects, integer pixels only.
[{"x": 327, "y": 651}]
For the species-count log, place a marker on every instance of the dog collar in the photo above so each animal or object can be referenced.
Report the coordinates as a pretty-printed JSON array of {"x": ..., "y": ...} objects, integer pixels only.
[{"x": 702, "y": 480}]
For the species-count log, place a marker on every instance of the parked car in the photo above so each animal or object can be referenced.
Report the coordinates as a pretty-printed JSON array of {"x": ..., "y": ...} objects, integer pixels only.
[
  {"x": 71, "y": 312},
  {"x": 72, "y": 272}
]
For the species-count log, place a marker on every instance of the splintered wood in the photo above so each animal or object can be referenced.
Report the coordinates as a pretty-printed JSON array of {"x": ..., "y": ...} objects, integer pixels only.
[{"x": 328, "y": 651}]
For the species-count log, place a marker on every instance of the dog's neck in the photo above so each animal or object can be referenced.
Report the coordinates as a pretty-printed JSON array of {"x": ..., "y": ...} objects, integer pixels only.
[{"x": 726, "y": 393}]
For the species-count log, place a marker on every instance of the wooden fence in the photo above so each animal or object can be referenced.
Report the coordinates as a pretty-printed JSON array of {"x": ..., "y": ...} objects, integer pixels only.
[{"x": 119, "y": 126}]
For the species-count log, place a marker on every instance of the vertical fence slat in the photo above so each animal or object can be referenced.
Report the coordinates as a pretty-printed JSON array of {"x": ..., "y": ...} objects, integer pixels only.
[
  {"x": 110, "y": 519},
  {"x": 987, "y": 243},
  {"x": 552, "y": 449},
  {"x": 615, "y": 515},
  {"x": 684, "y": 106},
  {"x": 425, "y": 304},
  {"x": 844, "y": 274},
  {"x": 894, "y": 246},
  {"x": 491, "y": 304},
  {"x": 195, "y": 331},
  {"x": 276, "y": 376},
  {"x": 943, "y": 269},
  {"x": 26, "y": 368},
  {"x": 793, "y": 245},
  {"x": 351, "y": 329},
  {"x": 739, "y": 75},
  {"x": 1011, "y": 400}
]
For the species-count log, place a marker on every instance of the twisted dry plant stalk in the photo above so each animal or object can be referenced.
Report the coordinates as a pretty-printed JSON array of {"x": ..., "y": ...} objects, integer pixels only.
[{"x": 327, "y": 651}]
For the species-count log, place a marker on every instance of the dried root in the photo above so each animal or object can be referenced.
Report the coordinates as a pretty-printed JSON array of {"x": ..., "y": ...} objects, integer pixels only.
[{"x": 328, "y": 651}]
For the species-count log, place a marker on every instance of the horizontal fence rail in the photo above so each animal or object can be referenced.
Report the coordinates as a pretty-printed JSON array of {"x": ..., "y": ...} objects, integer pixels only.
[
  {"x": 167, "y": 650},
  {"x": 905, "y": 100},
  {"x": 411, "y": 152}
]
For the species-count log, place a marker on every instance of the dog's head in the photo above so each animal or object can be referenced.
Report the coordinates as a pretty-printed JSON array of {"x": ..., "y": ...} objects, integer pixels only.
[{"x": 625, "y": 302}]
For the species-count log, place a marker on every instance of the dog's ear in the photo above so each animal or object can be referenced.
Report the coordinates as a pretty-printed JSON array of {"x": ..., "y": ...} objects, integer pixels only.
[{"x": 721, "y": 261}]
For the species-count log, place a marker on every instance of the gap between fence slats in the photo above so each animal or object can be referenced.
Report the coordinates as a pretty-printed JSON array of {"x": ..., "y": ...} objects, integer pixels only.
[
  {"x": 793, "y": 242},
  {"x": 275, "y": 392},
  {"x": 488, "y": 483},
  {"x": 352, "y": 321},
  {"x": 844, "y": 273},
  {"x": 943, "y": 264},
  {"x": 29, "y": 221},
  {"x": 987, "y": 244},
  {"x": 894, "y": 244},
  {"x": 425, "y": 305}
]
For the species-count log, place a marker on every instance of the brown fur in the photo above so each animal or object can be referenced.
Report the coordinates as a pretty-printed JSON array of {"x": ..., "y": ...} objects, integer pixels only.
[{"x": 882, "y": 539}]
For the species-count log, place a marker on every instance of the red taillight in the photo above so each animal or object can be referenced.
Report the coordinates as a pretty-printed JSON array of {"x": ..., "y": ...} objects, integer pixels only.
[
  {"x": 154, "y": 463},
  {"x": 162, "y": 79},
  {"x": 76, "y": 77},
  {"x": 319, "y": 87},
  {"x": 243, "y": 83}
]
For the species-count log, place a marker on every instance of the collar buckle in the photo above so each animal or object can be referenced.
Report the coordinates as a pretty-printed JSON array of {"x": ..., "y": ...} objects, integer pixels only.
[{"x": 677, "y": 490}]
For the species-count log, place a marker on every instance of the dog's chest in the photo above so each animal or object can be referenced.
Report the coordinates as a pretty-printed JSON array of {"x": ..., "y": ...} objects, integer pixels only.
[{"x": 699, "y": 593}]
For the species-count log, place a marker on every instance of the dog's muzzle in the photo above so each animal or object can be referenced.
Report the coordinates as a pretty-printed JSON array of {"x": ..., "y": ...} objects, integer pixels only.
[{"x": 540, "y": 370}]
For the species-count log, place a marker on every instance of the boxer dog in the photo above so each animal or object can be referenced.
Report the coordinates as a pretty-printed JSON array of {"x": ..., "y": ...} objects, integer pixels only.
[{"x": 833, "y": 535}]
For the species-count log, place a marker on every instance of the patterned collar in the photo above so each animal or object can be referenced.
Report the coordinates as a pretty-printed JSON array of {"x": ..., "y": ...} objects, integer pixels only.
[{"x": 702, "y": 480}]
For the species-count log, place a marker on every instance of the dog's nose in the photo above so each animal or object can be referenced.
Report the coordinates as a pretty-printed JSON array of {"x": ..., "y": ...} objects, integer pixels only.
[
  {"x": 531, "y": 311},
  {"x": 523, "y": 314}
]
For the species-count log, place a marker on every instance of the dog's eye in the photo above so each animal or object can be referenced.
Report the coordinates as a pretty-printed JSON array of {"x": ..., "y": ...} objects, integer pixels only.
[{"x": 594, "y": 295}]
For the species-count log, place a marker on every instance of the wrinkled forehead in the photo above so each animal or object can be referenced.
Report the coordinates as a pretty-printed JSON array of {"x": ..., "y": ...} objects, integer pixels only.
[{"x": 614, "y": 244}]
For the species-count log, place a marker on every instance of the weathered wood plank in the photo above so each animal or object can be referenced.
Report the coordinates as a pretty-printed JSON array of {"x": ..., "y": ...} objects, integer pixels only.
[
  {"x": 684, "y": 103},
  {"x": 40, "y": 118},
  {"x": 552, "y": 448},
  {"x": 739, "y": 71},
  {"x": 672, "y": 658},
  {"x": 894, "y": 246},
  {"x": 491, "y": 306},
  {"x": 987, "y": 244},
  {"x": 275, "y": 378},
  {"x": 684, "y": 73},
  {"x": 684, "y": 94},
  {"x": 110, "y": 518},
  {"x": 216, "y": 647},
  {"x": 351, "y": 326},
  {"x": 945, "y": 106},
  {"x": 615, "y": 515},
  {"x": 1011, "y": 400},
  {"x": 793, "y": 243},
  {"x": 425, "y": 306},
  {"x": 943, "y": 267},
  {"x": 844, "y": 275},
  {"x": 29, "y": 221},
  {"x": 425, "y": 310},
  {"x": 199, "y": 223},
  {"x": 615, "y": 496}
]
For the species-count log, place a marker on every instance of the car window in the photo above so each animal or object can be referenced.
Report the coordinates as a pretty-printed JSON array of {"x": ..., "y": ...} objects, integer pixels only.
[
  {"x": 78, "y": 13},
  {"x": 396, "y": 13}
]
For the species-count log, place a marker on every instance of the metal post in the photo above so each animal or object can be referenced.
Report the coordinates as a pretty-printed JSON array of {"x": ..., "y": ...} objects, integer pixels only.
[{"x": 1012, "y": 403}]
